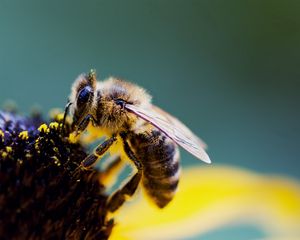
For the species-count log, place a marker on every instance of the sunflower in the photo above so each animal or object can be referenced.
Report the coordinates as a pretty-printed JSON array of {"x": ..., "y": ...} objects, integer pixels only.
[{"x": 45, "y": 195}]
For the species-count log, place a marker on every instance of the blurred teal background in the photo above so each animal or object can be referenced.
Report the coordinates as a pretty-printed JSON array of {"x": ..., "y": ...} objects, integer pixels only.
[{"x": 228, "y": 69}]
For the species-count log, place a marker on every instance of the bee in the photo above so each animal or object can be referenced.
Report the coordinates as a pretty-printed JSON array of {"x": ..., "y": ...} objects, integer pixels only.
[{"x": 149, "y": 136}]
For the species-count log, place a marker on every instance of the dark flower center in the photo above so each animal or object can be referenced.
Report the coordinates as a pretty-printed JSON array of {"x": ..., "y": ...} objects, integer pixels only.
[{"x": 43, "y": 193}]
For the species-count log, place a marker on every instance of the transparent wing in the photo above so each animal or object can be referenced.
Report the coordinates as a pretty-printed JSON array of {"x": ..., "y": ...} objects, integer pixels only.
[
  {"x": 179, "y": 125},
  {"x": 173, "y": 128}
]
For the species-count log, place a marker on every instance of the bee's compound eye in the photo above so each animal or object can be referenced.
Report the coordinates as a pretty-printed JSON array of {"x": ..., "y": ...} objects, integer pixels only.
[
  {"x": 84, "y": 94},
  {"x": 120, "y": 102}
]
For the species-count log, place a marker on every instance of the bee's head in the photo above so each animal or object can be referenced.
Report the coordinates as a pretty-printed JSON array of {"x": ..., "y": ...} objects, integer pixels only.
[
  {"x": 111, "y": 97},
  {"x": 82, "y": 96}
]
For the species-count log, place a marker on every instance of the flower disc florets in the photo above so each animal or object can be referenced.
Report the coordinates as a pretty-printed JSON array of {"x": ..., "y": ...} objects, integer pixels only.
[{"x": 43, "y": 192}]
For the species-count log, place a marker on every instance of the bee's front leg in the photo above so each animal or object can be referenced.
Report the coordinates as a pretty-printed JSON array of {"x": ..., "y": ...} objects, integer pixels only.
[
  {"x": 84, "y": 123},
  {"x": 99, "y": 151},
  {"x": 118, "y": 198}
]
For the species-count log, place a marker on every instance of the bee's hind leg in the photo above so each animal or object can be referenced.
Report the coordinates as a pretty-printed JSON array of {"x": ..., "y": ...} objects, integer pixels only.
[{"x": 118, "y": 198}]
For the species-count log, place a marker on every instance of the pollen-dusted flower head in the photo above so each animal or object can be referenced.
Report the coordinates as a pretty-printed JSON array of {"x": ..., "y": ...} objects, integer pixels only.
[{"x": 43, "y": 193}]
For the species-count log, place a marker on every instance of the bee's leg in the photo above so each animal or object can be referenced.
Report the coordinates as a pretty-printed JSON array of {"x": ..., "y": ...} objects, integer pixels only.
[
  {"x": 119, "y": 197},
  {"x": 84, "y": 123},
  {"x": 99, "y": 151}
]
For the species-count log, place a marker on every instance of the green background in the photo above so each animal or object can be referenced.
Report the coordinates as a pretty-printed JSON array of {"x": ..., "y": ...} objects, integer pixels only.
[{"x": 228, "y": 69}]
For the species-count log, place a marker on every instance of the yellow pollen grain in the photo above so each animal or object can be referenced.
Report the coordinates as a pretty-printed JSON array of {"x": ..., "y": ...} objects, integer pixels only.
[
  {"x": 8, "y": 149},
  {"x": 56, "y": 161},
  {"x": 54, "y": 125},
  {"x": 20, "y": 161},
  {"x": 36, "y": 146},
  {"x": 23, "y": 135},
  {"x": 43, "y": 128},
  {"x": 59, "y": 117},
  {"x": 73, "y": 138},
  {"x": 1, "y": 134},
  {"x": 4, "y": 154}
]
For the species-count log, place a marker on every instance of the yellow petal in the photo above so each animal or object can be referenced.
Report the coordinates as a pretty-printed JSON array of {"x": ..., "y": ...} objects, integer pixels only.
[{"x": 212, "y": 197}]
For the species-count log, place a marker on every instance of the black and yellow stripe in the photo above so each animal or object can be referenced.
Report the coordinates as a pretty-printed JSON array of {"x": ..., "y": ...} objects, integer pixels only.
[{"x": 161, "y": 169}]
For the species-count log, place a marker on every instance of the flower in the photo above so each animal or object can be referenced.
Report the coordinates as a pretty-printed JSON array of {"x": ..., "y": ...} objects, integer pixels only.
[
  {"x": 212, "y": 197},
  {"x": 45, "y": 195}
]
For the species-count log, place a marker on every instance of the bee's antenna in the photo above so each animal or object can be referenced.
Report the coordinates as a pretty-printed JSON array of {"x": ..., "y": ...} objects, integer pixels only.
[{"x": 67, "y": 107}]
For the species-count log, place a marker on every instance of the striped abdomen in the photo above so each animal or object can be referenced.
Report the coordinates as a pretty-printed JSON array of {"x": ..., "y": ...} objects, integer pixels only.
[{"x": 160, "y": 159}]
